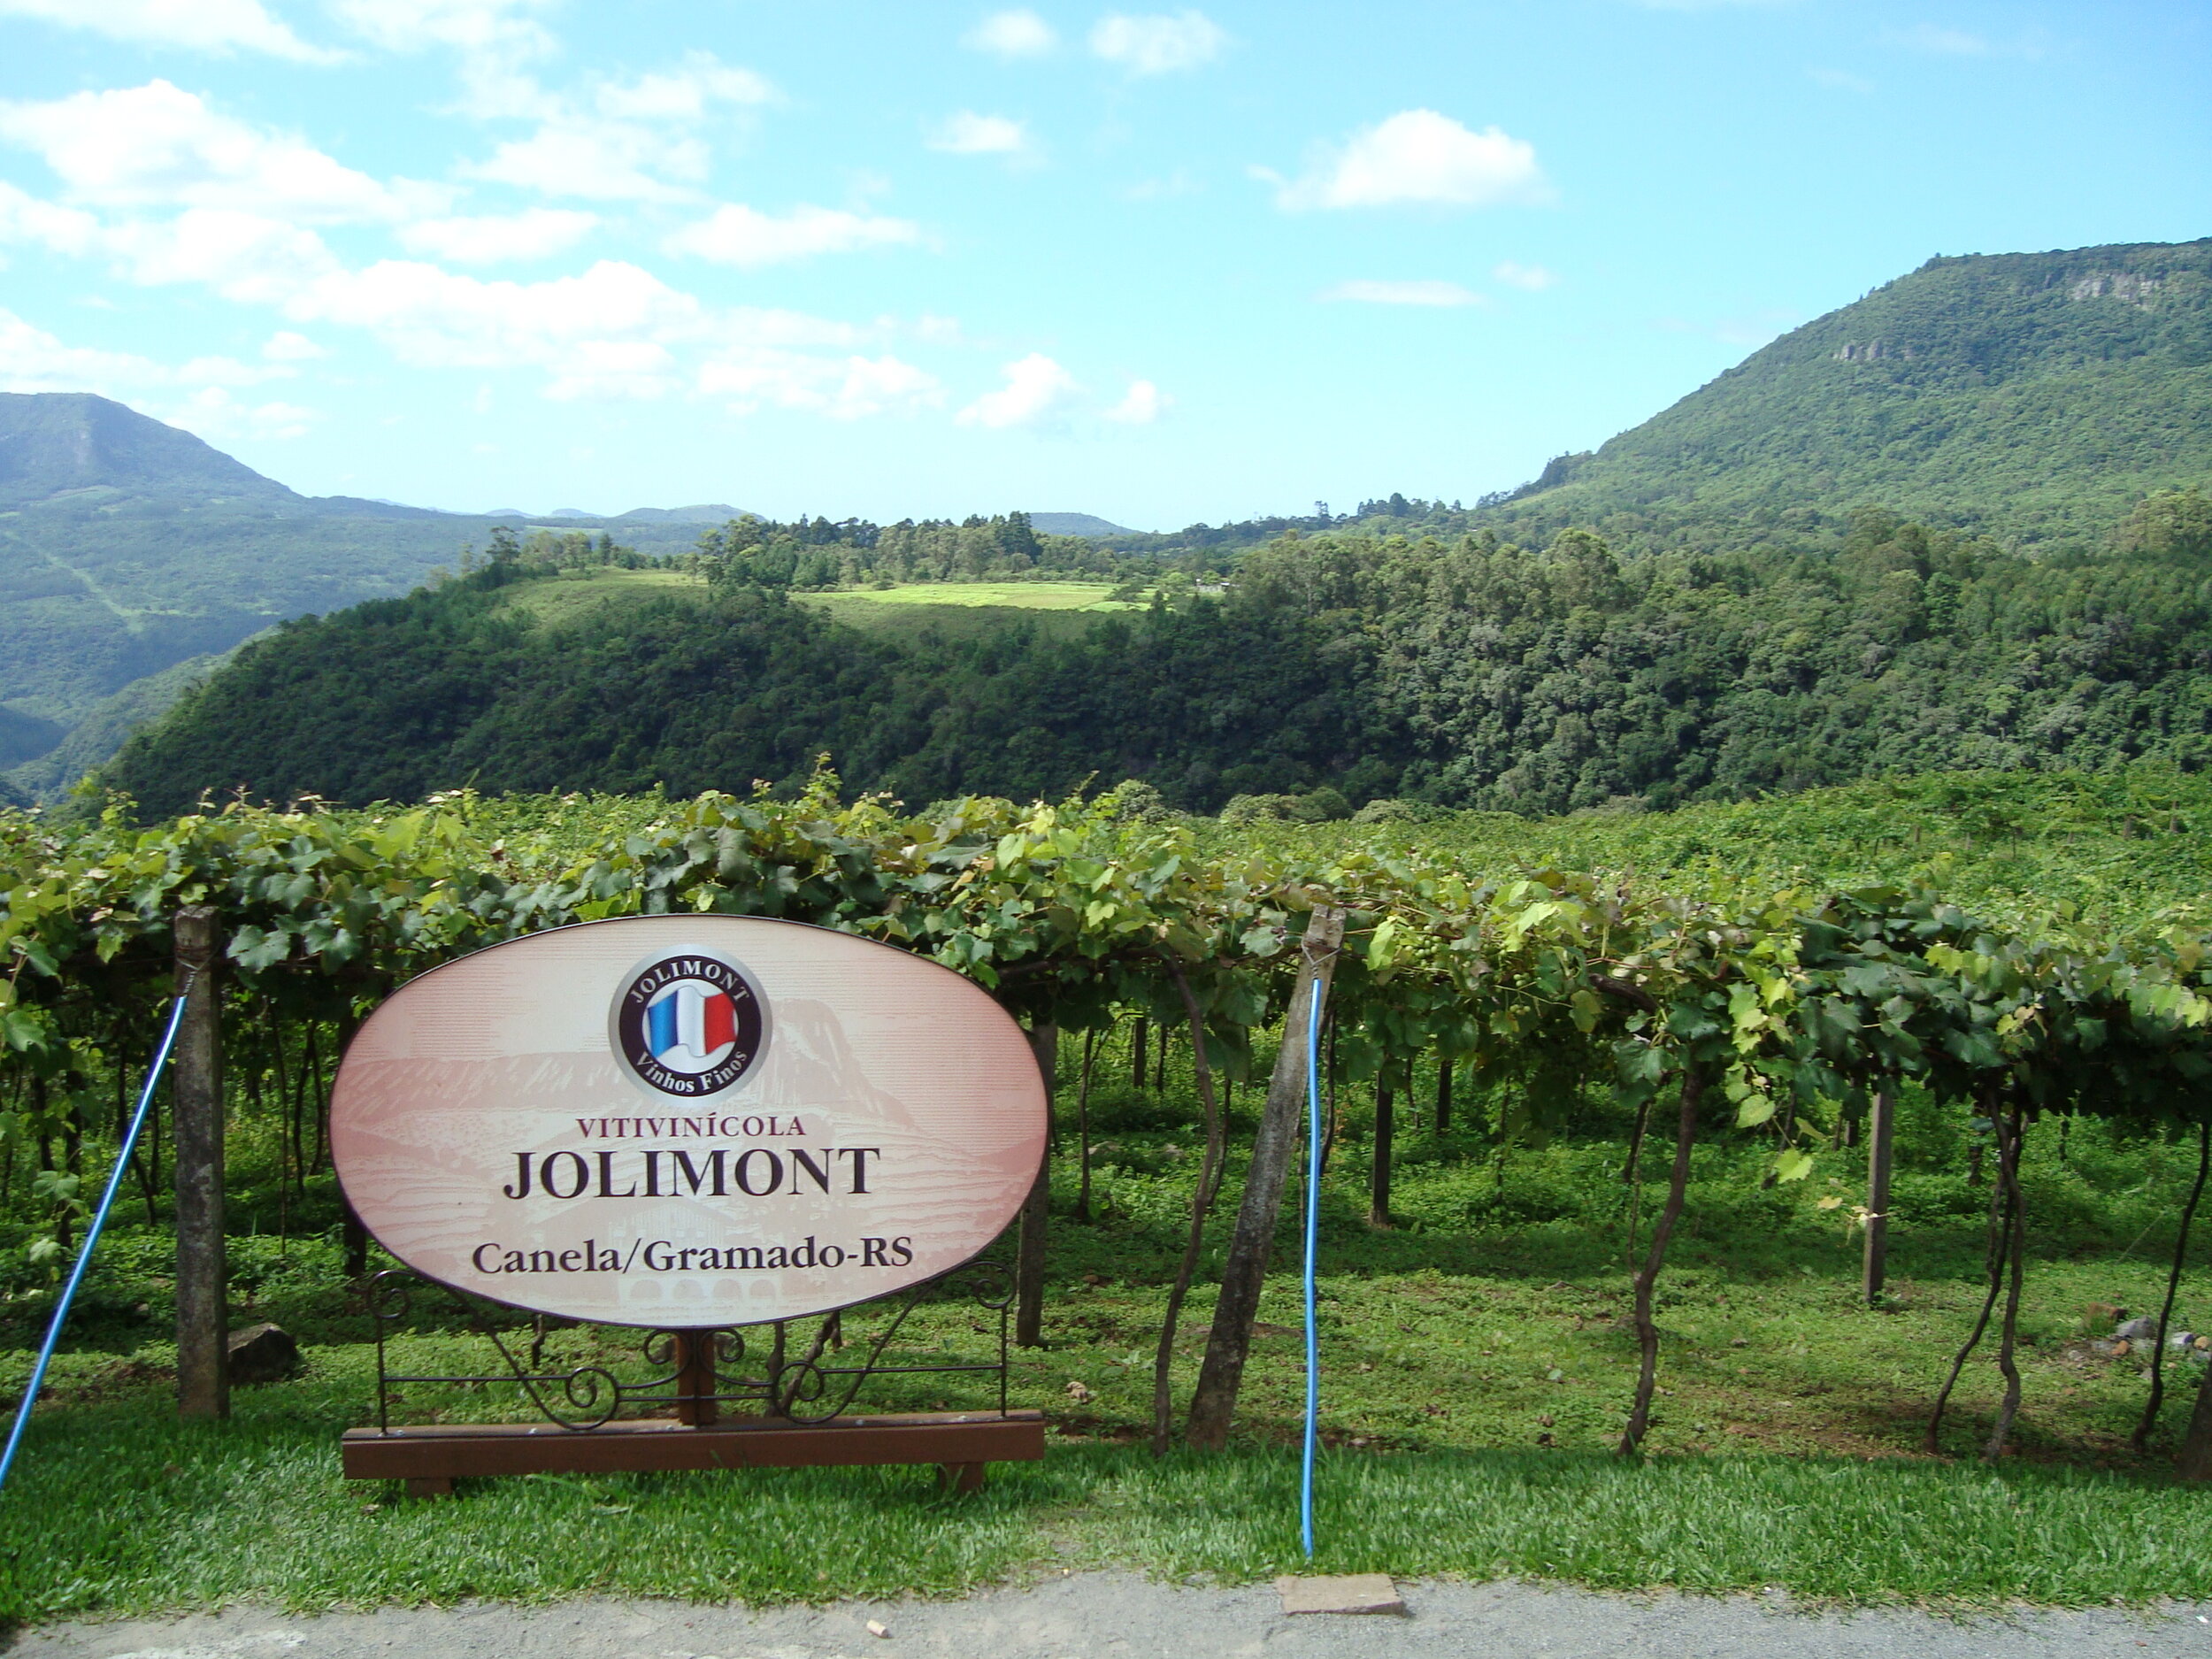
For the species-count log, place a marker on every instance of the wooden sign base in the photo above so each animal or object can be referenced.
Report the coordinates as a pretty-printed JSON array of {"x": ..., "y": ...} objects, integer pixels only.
[{"x": 429, "y": 1457}]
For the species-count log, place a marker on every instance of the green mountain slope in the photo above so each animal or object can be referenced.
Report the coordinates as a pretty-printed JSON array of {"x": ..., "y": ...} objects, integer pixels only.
[
  {"x": 57, "y": 441},
  {"x": 2035, "y": 396},
  {"x": 128, "y": 548},
  {"x": 1480, "y": 675}
]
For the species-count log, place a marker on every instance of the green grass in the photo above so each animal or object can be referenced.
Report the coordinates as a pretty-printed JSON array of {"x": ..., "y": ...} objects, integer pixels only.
[
  {"x": 954, "y": 608},
  {"x": 1476, "y": 1375},
  {"x": 579, "y": 593},
  {"x": 960, "y": 609},
  {"x": 1002, "y": 596},
  {"x": 117, "y": 1508}
]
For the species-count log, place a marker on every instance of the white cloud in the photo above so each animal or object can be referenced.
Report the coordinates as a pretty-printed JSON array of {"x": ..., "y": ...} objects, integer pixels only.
[
  {"x": 32, "y": 360},
  {"x": 968, "y": 133},
  {"x": 617, "y": 145},
  {"x": 438, "y": 318},
  {"x": 744, "y": 237},
  {"x": 535, "y": 233},
  {"x": 1533, "y": 278},
  {"x": 1419, "y": 155},
  {"x": 599, "y": 160},
  {"x": 244, "y": 257},
  {"x": 1140, "y": 405},
  {"x": 1038, "y": 391},
  {"x": 1407, "y": 293},
  {"x": 846, "y": 388},
  {"x": 25, "y": 217},
  {"x": 683, "y": 94},
  {"x": 470, "y": 25},
  {"x": 1157, "y": 45},
  {"x": 1842, "y": 80},
  {"x": 219, "y": 371},
  {"x": 207, "y": 25},
  {"x": 604, "y": 371},
  {"x": 221, "y": 418},
  {"x": 613, "y": 330},
  {"x": 159, "y": 146},
  {"x": 1011, "y": 35},
  {"x": 284, "y": 346}
]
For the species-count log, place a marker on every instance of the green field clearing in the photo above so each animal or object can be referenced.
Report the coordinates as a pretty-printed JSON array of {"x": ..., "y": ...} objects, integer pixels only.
[
  {"x": 955, "y": 607},
  {"x": 965, "y": 608},
  {"x": 571, "y": 596},
  {"x": 1009, "y": 595}
]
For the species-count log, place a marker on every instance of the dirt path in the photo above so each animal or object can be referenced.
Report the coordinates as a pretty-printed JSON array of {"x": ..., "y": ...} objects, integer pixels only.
[{"x": 1109, "y": 1615}]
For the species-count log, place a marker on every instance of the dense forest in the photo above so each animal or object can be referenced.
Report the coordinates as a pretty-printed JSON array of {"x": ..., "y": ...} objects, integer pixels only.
[{"x": 1469, "y": 673}]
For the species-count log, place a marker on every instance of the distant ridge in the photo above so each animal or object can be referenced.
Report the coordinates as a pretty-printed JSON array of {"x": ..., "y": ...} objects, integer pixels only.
[
  {"x": 2036, "y": 395},
  {"x": 705, "y": 512},
  {"x": 1076, "y": 524},
  {"x": 54, "y": 442}
]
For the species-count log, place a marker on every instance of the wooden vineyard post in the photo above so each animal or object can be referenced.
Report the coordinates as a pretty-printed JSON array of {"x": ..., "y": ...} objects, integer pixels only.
[
  {"x": 1029, "y": 1261},
  {"x": 1880, "y": 1140},
  {"x": 2196, "y": 1462},
  {"x": 1386, "y": 1135},
  {"x": 1244, "y": 1273},
  {"x": 202, "y": 1269}
]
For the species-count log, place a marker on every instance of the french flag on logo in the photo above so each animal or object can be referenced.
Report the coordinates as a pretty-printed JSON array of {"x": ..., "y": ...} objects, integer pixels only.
[{"x": 695, "y": 1017}]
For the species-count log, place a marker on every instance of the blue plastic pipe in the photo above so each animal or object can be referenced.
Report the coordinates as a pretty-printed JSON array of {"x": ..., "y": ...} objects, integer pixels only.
[
  {"x": 1313, "y": 1234},
  {"x": 92, "y": 1233}
]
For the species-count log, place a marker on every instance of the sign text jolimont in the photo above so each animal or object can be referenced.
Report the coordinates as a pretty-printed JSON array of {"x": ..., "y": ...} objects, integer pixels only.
[{"x": 688, "y": 1121}]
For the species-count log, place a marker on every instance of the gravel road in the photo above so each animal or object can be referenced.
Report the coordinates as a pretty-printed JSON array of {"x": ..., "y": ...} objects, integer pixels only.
[{"x": 1113, "y": 1616}]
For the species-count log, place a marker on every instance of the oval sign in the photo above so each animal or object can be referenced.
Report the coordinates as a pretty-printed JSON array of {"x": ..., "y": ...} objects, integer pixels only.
[{"x": 685, "y": 1121}]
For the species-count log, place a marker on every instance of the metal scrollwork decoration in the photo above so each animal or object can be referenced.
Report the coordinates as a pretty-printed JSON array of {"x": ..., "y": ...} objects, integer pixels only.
[{"x": 695, "y": 1372}]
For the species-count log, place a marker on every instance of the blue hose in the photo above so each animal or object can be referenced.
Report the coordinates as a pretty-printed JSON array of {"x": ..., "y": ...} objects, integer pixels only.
[
  {"x": 1313, "y": 1233},
  {"x": 92, "y": 1233}
]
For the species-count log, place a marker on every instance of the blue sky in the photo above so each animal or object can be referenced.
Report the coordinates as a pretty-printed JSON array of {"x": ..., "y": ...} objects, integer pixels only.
[{"x": 921, "y": 259}]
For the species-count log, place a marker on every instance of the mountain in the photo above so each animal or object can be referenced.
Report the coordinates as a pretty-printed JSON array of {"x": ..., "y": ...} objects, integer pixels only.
[
  {"x": 1892, "y": 540},
  {"x": 1479, "y": 674},
  {"x": 133, "y": 556},
  {"x": 2033, "y": 395},
  {"x": 705, "y": 512},
  {"x": 55, "y": 442},
  {"x": 1075, "y": 524}
]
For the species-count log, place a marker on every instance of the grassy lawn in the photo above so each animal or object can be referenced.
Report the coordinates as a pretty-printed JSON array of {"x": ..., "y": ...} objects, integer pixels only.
[
  {"x": 579, "y": 593},
  {"x": 957, "y": 609},
  {"x": 1002, "y": 596},
  {"x": 954, "y": 608},
  {"x": 1477, "y": 1374}
]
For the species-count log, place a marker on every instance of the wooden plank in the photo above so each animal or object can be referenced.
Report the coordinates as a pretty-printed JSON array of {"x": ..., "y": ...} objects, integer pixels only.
[{"x": 443, "y": 1451}]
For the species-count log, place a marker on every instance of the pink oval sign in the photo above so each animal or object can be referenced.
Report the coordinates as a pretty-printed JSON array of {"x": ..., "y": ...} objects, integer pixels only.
[{"x": 685, "y": 1121}]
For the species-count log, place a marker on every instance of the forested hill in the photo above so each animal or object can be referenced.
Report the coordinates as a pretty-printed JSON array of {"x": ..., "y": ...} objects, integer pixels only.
[
  {"x": 1469, "y": 673},
  {"x": 2033, "y": 395},
  {"x": 131, "y": 554}
]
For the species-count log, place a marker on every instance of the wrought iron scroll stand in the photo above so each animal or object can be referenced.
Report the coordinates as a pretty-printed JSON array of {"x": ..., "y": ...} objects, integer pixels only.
[{"x": 793, "y": 1404}]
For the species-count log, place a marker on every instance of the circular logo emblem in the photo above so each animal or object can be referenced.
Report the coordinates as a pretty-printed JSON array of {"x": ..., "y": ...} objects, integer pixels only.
[{"x": 691, "y": 1023}]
